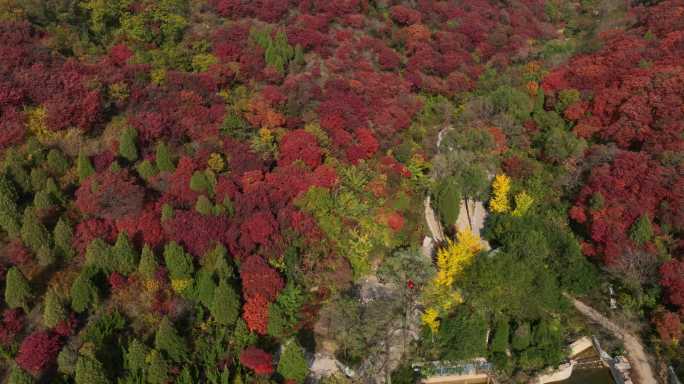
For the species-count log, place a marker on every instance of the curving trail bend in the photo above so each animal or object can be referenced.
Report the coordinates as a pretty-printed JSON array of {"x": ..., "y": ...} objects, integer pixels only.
[{"x": 636, "y": 354}]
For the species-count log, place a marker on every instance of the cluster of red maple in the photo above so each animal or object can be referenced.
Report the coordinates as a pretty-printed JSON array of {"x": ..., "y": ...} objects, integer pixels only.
[{"x": 632, "y": 96}]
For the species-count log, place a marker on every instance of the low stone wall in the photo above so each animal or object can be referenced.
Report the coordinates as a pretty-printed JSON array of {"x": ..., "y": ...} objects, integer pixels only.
[{"x": 562, "y": 373}]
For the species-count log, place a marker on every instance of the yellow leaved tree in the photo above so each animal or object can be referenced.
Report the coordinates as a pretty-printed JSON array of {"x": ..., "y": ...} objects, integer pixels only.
[
  {"x": 500, "y": 188},
  {"x": 523, "y": 202},
  {"x": 441, "y": 294}
]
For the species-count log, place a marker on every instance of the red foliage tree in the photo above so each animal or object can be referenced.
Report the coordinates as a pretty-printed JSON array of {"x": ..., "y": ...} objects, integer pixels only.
[
  {"x": 206, "y": 230},
  {"x": 89, "y": 229},
  {"x": 12, "y": 324},
  {"x": 12, "y": 129},
  {"x": 258, "y": 229},
  {"x": 631, "y": 186},
  {"x": 259, "y": 361},
  {"x": 672, "y": 279},
  {"x": 144, "y": 227},
  {"x": 110, "y": 194},
  {"x": 17, "y": 253},
  {"x": 255, "y": 314},
  {"x": 260, "y": 279},
  {"x": 299, "y": 145},
  {"x": 37, "y": 351},
  {"x": 395, "y": 221},
  {"x": 119, "y": 54},
  {"x": 404, "y": 15},
  {"x": 669, "y": 327}
]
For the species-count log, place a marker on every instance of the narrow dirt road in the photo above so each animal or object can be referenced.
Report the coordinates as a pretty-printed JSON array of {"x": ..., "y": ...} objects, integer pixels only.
[{"x": 643, "y": 373}]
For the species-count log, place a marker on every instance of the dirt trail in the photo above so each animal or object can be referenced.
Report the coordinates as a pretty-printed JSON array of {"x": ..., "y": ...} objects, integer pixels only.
[{"x": 643, "y": 373}]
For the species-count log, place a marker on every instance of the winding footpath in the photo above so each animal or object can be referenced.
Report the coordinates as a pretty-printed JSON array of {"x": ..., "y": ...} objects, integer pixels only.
[{"x": 635, "y": 350}]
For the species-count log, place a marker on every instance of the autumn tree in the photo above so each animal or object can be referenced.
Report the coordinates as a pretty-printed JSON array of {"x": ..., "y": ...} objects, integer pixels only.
[
  {"x": 259, "y": 278},
  {"x": 668, "y": 326},
  {"x": 451, "y": 261},
  {"x": 255, "y": 314},
  {"x": 257, "y": 360},
  {"x": 37, "y": 351},
  {"x": 110, "y": 195},
  {"x": 500, "y": 187}
]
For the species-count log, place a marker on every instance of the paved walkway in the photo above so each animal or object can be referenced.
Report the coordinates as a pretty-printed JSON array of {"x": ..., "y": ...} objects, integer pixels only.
[{"x": 636, "y": 354}]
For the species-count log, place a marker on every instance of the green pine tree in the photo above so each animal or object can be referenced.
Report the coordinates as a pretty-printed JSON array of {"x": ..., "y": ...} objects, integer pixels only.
[
  {"x": 84, "y": 167},
  {"x": 216, "y": 261},
  {"x": 521, "y": 337},
  {"x": 33, "y": 232},
  {"x": 135, "y": 356},
  {"x": 146, "y": 169},
  {"x": 83, "y": 292},
  {"x": 205, "y": 288},
  {"x": 166, "y": 212},
  {"x": 56, "y": 194},
  {"x": 125, "y": 257},
  {"x": 66, "y": 360},
  {"x": 226, "y": 305},
  {"x": 292, "y": 364},
  {"x": 15, "y": 167},
  {"x": 9, "y": 211},
  {"x": 19, "y": 376},
  {"x": 178, "y": 261},
  {"x": 57, "y": 162},
  {"x": 148, "y": 263},
  {"x": 63, "y": 234},
  {"x": 38, "y": 178},
  {"x": 45, "y": 256},
  {"x": 501, "y": 334},
  {"x": 168, "y": 341},
  {"x": 199, "y": 182},
  {"x": 641, "y": 231},
  {"x": 89, "y": 370},
  {"x": 203, "y": 205},
  {"x": 17, "y": 289},
  {"x": 127, "y": 144},
  {"x": 43, "y": 200},
  {"x": 53, "y": 310},
  {"x": 157, "y": 368},
  {"x": 163, "y": 158},
  {"x": 99, "y": 255}
]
